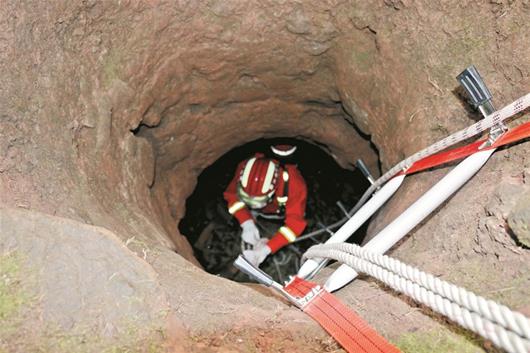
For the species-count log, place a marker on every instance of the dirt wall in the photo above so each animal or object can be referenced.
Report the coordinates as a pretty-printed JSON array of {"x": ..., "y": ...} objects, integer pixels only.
[{"x": 110, "y": 110}]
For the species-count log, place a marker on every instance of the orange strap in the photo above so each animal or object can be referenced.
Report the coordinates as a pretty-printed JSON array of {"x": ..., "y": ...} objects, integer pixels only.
[
  {"x": 516, "y": 134},
  {"x": 349, "y": 329}
]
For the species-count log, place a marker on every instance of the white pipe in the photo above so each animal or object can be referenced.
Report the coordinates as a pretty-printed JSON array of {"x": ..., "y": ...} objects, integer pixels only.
[
  {"x": 413, "y": 215},
  {"x": 355, "y": 222}
]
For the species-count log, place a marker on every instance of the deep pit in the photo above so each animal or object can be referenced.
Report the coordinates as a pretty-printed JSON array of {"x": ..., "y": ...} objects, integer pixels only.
[
  {"x": 215, "y": 235},
  {"x": 110, "y": 112}
]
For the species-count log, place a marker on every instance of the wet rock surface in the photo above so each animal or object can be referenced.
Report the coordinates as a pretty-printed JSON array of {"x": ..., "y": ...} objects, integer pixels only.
[{"x": 109, "y": 111}]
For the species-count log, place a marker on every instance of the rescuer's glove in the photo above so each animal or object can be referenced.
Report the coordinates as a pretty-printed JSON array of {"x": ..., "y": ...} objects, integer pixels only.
[
  {"x": 260, "y": 252},
  {"x": 250, "y": 232}
]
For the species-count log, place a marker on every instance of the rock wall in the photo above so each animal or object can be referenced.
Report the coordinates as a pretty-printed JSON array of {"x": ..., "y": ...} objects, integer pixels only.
[{"x": 110, "y": 110}]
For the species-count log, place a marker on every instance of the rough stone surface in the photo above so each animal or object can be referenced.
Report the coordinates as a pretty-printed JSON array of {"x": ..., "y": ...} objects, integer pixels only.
[
  {"x": 85, "y": 282},
  {"x": 110, "y": 110},
  {"x": 90, "y": 289},
  {"x": 519, "y": 219}
]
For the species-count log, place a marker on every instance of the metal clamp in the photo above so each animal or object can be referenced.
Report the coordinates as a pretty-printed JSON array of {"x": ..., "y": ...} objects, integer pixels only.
[
  {"x": 479, "y": 94},
  {"x": 480, "y": 97},
  {"x": 310, "y": 296},
  {"x": 246, "y": 267},
  {"x": 366, "y": 172}
]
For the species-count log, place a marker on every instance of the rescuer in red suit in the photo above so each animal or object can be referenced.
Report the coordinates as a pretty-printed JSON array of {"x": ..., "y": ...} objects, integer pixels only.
[{"x": 269, "y": 187}]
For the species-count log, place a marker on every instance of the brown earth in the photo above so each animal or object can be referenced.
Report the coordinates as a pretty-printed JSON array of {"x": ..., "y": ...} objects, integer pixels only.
[{"x": 110, "y": 110}]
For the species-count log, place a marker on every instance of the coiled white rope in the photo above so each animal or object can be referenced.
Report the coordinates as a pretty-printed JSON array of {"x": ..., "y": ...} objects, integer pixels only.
[{"x": 507, "y": 329}]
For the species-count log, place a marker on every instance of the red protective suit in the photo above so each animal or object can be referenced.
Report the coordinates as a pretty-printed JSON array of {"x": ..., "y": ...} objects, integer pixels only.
[{"x": 294, "y": 204}]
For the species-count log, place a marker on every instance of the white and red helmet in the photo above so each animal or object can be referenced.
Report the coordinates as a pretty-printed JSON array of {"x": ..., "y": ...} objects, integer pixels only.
[
  {"x": 258, "y": 181},
  {"x": 283, "y": 150}
]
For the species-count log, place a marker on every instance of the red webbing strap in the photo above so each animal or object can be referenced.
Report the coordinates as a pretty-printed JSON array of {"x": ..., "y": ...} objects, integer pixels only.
[
  {"x": 516, "y": 134},
  {"x": 349, "y": 329},
  {"x": 444, "y": 157},
  {"x": 299, "y": 287}
]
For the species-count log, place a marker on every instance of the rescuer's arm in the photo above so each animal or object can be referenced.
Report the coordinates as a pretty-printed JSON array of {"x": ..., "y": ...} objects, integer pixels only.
[
  {"x": 236, "y": 207},
  {"x": 294, "y": 212}
]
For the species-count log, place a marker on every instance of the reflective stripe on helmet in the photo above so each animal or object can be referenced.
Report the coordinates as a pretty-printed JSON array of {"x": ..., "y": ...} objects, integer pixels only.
[
  {"x": 236, "y": 206},
  {"x": 283, "y": 150},
  {"x": 267, "y": 183},
  {"x": 246, "y": 172},
  {"x": 288, "y": 234}
]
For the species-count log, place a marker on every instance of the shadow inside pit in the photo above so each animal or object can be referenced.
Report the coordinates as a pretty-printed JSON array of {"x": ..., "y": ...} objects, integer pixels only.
[{"x": 215, "y": 235}]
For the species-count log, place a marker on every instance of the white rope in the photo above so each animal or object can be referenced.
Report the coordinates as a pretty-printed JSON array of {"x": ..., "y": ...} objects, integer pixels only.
[
  {"x": 507, "y": 329},
  {"x": 493, "y": 119}
]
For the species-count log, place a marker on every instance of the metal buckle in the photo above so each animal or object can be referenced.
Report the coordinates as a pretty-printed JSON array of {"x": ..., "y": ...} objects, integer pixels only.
[
  {"x": 246, "y": 267},
  {"x": 310, "y": 296}
]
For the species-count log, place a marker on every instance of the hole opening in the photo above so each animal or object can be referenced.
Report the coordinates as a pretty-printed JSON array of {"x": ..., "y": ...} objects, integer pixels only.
[{"x": 215, "y": 234}]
